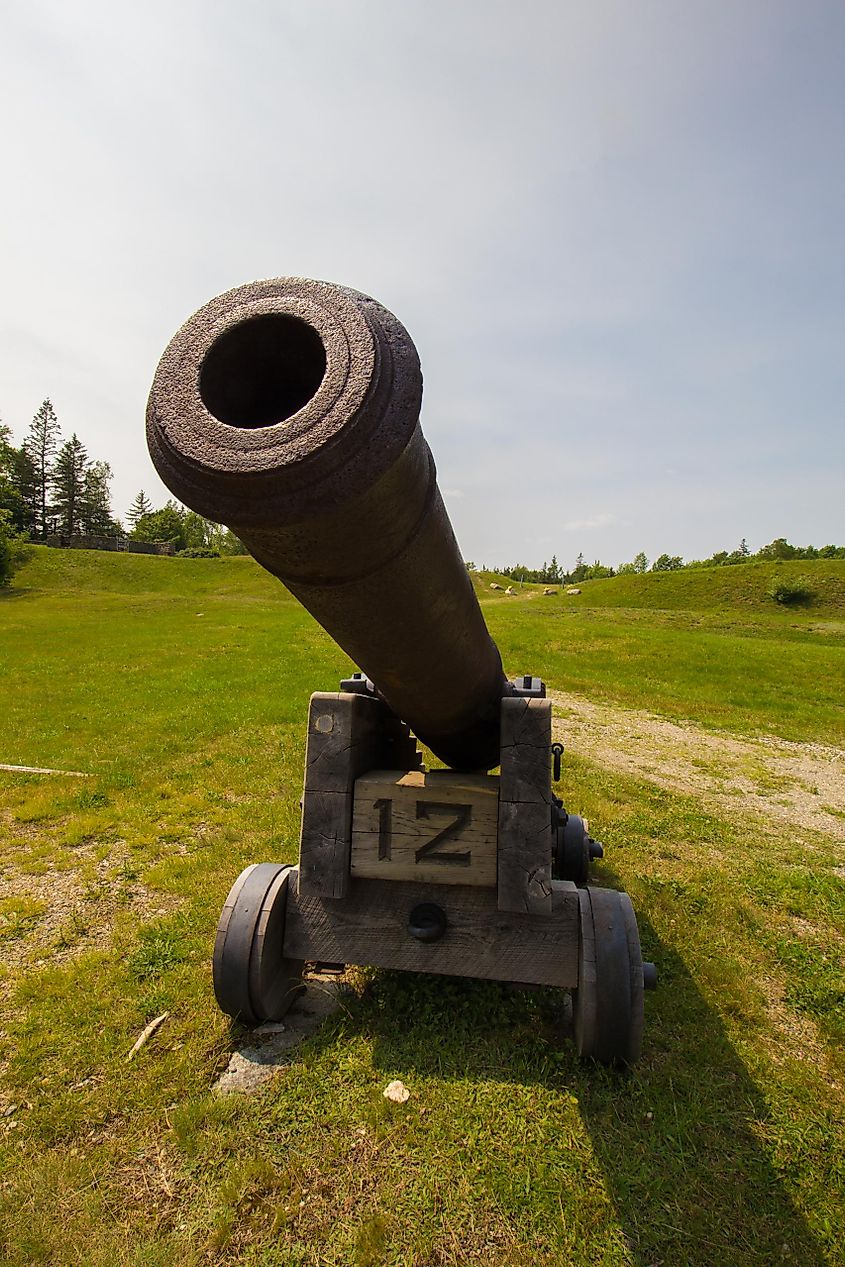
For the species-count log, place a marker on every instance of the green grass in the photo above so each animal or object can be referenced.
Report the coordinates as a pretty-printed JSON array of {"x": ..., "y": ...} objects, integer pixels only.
[
  {"x": 725, "y": 1144},
  {"x": 743, "y": 587},
  {"x": 705, "y": 645}
]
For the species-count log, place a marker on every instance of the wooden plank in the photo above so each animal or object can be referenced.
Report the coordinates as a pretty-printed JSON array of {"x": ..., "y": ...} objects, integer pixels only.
[
  {"x": 344, "y": 740},
  {"x": 524, "y": 870},
  {"x": 526, "y": 738},
  {"x": 371, "y": 927},
  {"x": 439, "y": 827},
  {"x": 525, "y": 822}
]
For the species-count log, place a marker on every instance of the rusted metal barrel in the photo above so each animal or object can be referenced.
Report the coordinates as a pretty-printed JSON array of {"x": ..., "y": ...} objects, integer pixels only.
[{"x": 289, "y": 411}]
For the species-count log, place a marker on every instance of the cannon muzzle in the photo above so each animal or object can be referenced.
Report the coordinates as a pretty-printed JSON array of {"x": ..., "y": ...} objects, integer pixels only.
[{"x": 289, "y": 411}]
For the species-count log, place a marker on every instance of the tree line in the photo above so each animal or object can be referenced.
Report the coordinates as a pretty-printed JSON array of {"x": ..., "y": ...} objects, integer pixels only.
[
  {"x": 50, "y": 487},
  {"x": 553, "y": 574},
  {"x": 188, "y": 532}
]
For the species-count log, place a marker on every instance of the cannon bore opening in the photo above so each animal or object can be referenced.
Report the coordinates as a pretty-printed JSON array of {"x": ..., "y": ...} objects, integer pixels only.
[{"x": 262, "y": 371}]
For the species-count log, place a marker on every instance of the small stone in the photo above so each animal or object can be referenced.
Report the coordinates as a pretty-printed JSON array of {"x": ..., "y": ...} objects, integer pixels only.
[{"x": 397, "y": 1092}]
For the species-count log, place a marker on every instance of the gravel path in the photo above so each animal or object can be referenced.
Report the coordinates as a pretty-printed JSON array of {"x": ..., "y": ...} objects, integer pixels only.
[{"x": 769, "y": 776}]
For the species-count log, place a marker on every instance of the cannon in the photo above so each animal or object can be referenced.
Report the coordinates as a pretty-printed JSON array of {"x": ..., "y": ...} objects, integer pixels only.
[{"x": 289, "y": 410}]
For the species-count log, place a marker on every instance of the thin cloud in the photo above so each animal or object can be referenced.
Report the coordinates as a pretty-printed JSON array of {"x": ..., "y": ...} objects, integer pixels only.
[{"x": 602, "y": 520}]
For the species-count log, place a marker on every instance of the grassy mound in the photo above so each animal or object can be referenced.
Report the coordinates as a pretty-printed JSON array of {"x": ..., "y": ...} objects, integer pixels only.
[{"x": 744, "y": 586}]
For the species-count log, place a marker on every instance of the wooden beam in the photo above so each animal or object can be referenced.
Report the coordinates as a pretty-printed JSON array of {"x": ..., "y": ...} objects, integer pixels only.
[
  {"x": 371, "y": 927},
  {"x": 525, "y": 807},
  {"x": 344, "y": 740}
]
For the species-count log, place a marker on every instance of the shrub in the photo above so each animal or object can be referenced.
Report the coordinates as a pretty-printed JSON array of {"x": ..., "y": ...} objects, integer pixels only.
[
  {"x": 795, "y": 593},
  {"x": 13, "y": 549},
  {"x": 5, "y": 558},
  {"x": 199, "y": 552}
]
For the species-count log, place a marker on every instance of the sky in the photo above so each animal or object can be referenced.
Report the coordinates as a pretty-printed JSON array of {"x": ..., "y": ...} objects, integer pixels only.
[{"x": 613, "y": 230}]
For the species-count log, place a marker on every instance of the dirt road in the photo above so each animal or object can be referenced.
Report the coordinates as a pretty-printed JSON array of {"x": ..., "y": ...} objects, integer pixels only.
[{"x": 769, "y": 776}]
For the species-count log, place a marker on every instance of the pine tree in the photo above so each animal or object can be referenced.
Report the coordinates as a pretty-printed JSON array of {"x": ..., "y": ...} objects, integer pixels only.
[
  {"x": 68, "y": 483},
  {"x": 140, "y": 507},
  {"x": 25, "y": 480},
  {"x": 40, "y": 446}
]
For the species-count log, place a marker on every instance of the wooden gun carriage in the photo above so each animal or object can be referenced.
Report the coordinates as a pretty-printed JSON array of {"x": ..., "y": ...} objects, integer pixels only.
[{"x": 289, "y": 410}]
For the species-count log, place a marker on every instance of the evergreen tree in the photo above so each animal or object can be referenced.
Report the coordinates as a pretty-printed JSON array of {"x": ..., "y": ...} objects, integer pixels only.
[
  {"x": 11, "y": 500},
  {"x": 26, "y": 482},
  {"x": 140, "y": 507},
  {"x": 40, "y": 446},
  {"x": 580, "y": 569},
  {"x": 553, "y": 574},
  {"x": 68, "y": 483},
  {"x": 95, "y": 507}
]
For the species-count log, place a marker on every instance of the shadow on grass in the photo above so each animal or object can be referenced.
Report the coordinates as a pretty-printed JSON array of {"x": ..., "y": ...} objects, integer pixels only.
[{"x": 677, "y": 1139}]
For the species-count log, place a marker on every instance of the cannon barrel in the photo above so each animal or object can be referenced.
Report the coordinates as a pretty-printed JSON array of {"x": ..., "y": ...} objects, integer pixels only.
[{"x": 289, "y": 411}]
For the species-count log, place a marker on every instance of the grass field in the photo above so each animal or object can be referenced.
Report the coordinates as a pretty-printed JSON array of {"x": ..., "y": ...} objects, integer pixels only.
[{"x": 725, "y": 1144}]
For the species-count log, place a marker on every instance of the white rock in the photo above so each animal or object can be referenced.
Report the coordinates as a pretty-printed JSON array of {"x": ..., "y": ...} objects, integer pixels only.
[{"x": 397, "y": 1092}]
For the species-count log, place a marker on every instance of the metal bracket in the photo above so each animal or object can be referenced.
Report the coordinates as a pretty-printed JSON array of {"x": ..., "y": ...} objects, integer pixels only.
[
  {"x": 357, "y": 684},
  {"x": 529, "y": 687}
]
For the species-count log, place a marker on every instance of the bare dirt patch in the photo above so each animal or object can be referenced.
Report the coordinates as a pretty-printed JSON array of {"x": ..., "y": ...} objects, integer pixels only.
[
  {"x": 268, "y": 1048},
  {"x": 776, "y": 778},
  {"x": 63, "y": 910}
]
